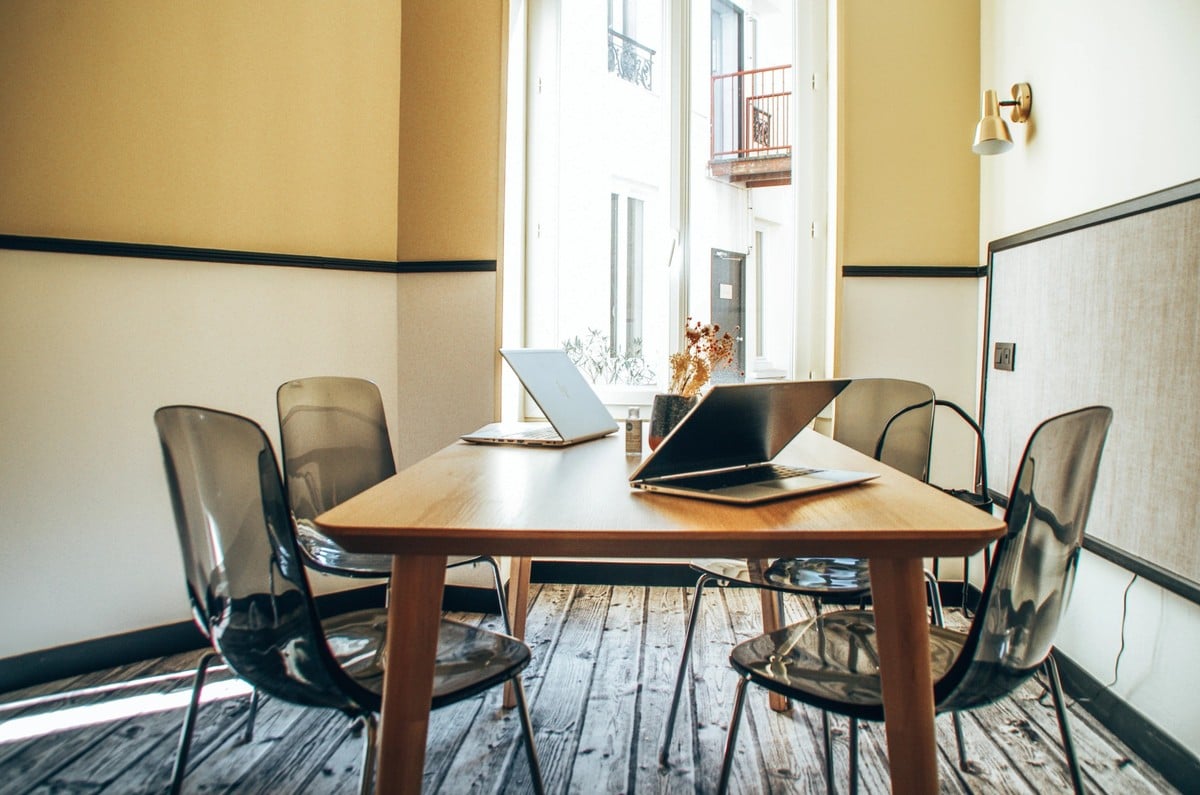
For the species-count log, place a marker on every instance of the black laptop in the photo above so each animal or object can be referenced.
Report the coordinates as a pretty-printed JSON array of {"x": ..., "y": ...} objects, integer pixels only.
[{"x": 724, "y": 449}]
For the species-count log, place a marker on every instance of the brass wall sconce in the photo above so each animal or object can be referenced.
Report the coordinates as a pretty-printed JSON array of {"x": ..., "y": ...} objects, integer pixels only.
[{"x": 991, "y": 135}]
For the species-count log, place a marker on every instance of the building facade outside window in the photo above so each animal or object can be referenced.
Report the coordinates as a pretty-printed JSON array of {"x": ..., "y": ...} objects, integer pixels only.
[
  {"x": 628, "y": 276},
  {"x": 626, "y": 206},
  {"x": 628, "y": 56}
]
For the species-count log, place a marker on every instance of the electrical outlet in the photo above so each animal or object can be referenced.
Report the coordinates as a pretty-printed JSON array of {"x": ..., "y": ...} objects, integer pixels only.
[{"x": 1004, "y": 356}]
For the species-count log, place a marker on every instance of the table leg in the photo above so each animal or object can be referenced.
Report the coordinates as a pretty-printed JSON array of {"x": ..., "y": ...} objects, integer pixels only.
[
  {"x": 414, "y": 613},
  {"x": 902, "y": 626},
  {"x": 518, "y": 606}
]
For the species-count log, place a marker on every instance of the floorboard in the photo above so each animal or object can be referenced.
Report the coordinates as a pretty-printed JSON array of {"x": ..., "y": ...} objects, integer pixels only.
[
  {"x": 605, "y": 757},
  {"x": 603, "y": 668},
  {"x": 662, "y": 638}
]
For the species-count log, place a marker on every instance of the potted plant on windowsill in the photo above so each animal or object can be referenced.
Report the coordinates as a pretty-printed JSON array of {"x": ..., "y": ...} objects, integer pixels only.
[{"x": 705, "y": 349}]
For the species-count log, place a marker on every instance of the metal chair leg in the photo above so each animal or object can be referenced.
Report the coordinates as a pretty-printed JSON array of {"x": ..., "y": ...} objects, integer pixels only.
[
  {"x": 853, "y": 756},
  {"x": 535, "y": 769},
  {"x": 367, "y": 781},
  {"x": 966, "y": 586},
  {"x": 693, "y": 614},
  {"x": 964, "y": 764},
  {"x": 248, "y": 734},
  {"x": 935, "y": 600},
  {"x": 189, "y": 724},
  {"x": 1060, "y": 708},
  {"x": 500, "y": 593},
  {"x": 830, "y": 788},
  {"x": 498, "y": 583},
  {"x": 939, "y": 620},
  {"x": 739, "y": 703}
]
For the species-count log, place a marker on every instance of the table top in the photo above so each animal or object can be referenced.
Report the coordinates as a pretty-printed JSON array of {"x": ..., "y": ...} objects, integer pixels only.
[{"x": 576, "y": 501}]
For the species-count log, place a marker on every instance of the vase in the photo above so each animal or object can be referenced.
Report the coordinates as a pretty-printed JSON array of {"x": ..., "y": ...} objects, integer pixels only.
[{"x": 665, "y": 414}]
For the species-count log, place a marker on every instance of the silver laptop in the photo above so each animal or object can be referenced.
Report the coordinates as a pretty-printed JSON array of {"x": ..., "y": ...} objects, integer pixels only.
[
  {"x": 574, "y": 412},
  {"x": 723, "y": 450}
]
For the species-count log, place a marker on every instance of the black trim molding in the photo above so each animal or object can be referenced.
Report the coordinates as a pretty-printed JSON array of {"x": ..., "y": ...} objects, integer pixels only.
[
  {"x": 60, "y": 662},
  {"x": 1167, "y": 197},
  {"x": 47, "y": 665},
  {"x": 183, "y": 253},
  {"x": 1151, "y": 572},
  {"x": 74, "y": 659},
  {"x": 1168, "y": 580},
  {"x": 1151, "y": 201},
  {"x": 916, "y": 271},
  {"x": 677, "y": 575},
  {"x": 1159, "y": 750}
]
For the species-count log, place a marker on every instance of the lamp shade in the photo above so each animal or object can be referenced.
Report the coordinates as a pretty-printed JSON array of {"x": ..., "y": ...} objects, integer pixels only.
[{"x": 991, "y": 134}]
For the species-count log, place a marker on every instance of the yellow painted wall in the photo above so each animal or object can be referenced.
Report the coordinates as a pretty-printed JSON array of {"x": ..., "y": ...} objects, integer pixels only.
[
  {"x": 273, "y": 126},
  {"x": 908, "y": 194},
  {"x": 265, "y": 126},
  {"x": 908, "y": 101},
  {"x": 451, "y": 150},
  {"x": 451, "y": 129}
]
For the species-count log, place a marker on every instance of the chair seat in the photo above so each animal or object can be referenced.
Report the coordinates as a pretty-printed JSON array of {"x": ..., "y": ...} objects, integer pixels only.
[
  {"x": 327, "y": 556},
  {"x": 469, "y": 659},
  {"x": 832, "y": 661},
  {"x": 816, "y": 576},
  {"x": 820, "y": 575}
]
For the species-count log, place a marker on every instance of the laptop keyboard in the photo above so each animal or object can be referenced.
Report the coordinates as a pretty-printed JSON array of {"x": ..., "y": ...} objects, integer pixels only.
[
  {"x": 537, "y": 433},
  {"x": 741, "y": 477}
]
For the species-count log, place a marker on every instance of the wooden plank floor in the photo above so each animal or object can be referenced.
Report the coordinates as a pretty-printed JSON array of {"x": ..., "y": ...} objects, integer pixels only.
[{"x": 604, "y": 661}]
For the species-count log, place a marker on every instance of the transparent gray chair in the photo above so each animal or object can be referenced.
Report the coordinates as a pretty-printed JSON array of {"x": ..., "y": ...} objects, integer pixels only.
[
  {"x": 889, "y": 419},
  {"x": 334, "y": 441},
  {"x": 978, "y": 495},
  {"x": 250, "y": 595},
  {"x": 831, "y": 661}
]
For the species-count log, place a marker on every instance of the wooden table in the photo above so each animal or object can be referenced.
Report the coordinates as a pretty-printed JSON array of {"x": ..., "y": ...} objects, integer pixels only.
[{"x": 576, "y": 502}]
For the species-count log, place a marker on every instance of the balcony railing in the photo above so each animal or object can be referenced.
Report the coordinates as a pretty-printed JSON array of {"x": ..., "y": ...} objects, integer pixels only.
[
  {"x": 631, "y": 60},
  {"x": 750, "y": 120}
]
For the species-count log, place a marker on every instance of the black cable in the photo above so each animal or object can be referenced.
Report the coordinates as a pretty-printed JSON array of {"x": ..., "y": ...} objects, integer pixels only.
[
  {"x": 1116, "y": 662},
  {"x": 1121, "y": 650}
]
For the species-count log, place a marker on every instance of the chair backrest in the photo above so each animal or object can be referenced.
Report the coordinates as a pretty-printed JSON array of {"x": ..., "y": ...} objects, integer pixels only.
[
  {"x": 334, "y": 439},
  {"x": 1033, "y": 566},
  {"x": 866, "y": 408},
  {"x": 245, "y": 578}
]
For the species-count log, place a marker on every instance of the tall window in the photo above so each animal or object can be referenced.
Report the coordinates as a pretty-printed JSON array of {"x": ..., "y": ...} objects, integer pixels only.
[
  {"x": 627, "y": 244},
  {"x": 624, "y": 202},
  {"x": 726, "y": 44},
  {"x": 628, "y": 56},
  {"x": 622, "y": 17}
]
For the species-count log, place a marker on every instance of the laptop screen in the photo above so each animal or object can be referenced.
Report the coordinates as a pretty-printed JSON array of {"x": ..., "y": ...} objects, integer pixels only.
[
  {"x": 560, "y": 391},
  {"x": 739, "y": 424}
]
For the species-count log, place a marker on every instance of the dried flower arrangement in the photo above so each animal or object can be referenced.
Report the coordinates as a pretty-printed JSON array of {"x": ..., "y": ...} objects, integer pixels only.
[{"x": 705, "y": 350}]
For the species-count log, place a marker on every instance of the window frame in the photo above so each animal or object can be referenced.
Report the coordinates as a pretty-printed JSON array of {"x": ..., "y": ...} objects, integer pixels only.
[{"x": 813, "y": 298}]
